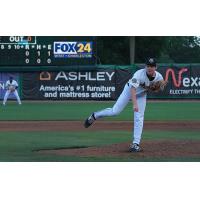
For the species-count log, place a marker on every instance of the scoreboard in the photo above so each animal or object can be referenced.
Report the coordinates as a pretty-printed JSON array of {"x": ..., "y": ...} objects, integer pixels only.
[{"x": 47, "y": 50}]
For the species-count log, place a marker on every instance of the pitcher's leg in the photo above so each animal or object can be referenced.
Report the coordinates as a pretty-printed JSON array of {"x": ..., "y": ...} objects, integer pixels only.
[
  {"x": 115, "y": 110},
  {"x": 139, "y": 120},
  {"x": 120, "y": 104},
  {"x": 6, "y": 97},
  {"x": 138, "y": 127}
]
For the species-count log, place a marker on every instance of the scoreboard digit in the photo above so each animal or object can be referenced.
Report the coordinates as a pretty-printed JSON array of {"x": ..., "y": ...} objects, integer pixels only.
[{"x": 47, "y": 51}]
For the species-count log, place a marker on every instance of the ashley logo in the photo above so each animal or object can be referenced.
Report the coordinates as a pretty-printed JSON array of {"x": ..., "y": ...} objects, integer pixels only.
[{"x": 177, "y": 83}]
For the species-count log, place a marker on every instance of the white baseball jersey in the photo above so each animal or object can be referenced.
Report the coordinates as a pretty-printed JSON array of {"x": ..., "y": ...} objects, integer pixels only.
[
  {"x": 8, "y": 92},
  {"x": 140, "y": 81},
  {"x": 14, "y": 83}
]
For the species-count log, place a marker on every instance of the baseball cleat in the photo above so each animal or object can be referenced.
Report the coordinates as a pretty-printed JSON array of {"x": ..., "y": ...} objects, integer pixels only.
[
  {"x": 89, "y": 121},
  {"x": 135, "y": 148}
]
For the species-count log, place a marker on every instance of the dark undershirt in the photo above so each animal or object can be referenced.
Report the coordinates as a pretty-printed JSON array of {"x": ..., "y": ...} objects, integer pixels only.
[{"x": 151, "y": 78}]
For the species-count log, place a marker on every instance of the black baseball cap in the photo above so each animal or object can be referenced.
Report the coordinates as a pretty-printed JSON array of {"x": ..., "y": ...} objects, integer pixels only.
[{"x": 151, "y": 62}]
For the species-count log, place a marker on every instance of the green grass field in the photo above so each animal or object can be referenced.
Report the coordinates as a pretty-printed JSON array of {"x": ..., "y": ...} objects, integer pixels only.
[
  {"x": 24, "y": 146},
  {"x": 80, "y": 110}
]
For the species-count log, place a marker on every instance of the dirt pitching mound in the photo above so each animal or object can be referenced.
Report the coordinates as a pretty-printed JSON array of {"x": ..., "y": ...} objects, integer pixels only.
[
  {"x": 98, "y": 125},
  {"x": 151, "y": 149}
]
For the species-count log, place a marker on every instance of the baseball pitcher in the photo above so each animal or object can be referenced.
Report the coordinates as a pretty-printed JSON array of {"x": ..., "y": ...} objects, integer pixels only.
[
  {"x": 144, "y": 80},
  {"x": 11, "y": 87}
]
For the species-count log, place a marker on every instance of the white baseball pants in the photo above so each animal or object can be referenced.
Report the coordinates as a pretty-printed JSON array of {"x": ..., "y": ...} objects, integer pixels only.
[
  {"x": 120, "y": 104},
  {"x": 8, "y": 93}
]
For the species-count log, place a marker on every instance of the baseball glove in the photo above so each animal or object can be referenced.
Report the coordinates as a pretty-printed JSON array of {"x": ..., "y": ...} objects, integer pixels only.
[
  {"x": 158, "y": 86},
  {"x": 12, "y": 88}
]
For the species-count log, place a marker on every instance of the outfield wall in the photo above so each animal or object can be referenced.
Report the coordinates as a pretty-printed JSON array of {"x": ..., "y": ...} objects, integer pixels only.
[{"x": 102, "y": 82}]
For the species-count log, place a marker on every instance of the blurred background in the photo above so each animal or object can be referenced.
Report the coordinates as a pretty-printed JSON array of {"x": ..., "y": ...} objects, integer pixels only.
[{"x": 129, "y": 50}]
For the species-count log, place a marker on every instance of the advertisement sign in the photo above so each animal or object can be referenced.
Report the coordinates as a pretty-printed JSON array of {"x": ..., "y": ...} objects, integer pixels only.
[
  {"x": 183, "y": 82},
  {"x": 78, "y": 85},
  {"x": 107, "y": 84},
  {"x": 97, "y": 85}
]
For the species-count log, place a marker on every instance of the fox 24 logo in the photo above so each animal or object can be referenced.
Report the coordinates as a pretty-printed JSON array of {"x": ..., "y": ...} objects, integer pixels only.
[{"x": 72, "y": 49}]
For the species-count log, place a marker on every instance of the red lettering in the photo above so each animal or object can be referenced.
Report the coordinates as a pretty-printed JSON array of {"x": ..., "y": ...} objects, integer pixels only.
[{"x": 176, "y": 83}]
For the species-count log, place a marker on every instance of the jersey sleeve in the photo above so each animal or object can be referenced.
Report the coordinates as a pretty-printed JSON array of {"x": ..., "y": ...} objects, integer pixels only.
[
  {"x": 135, "y": 81},
  {"x": 160, "y": 77}
]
